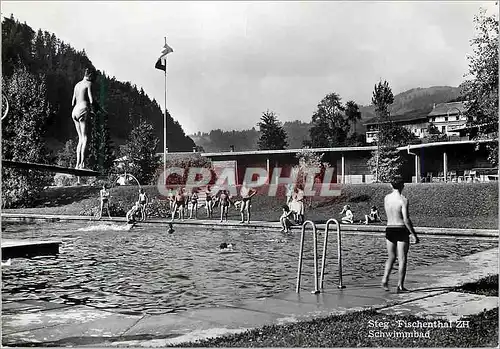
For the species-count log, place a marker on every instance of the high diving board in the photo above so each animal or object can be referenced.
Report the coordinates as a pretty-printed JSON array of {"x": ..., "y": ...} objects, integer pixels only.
[{"x": 50, "y": 168}]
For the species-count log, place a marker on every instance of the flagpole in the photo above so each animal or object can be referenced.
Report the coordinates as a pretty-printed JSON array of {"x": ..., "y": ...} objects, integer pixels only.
[{"x": 165, "y": 123}]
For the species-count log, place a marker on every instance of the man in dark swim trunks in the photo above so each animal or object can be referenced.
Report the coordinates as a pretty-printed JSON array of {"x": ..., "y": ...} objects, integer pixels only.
[
  {"x": 104, "y": 196},
  {"x": 225, "y": 201},
  {"x": 143, "y": 201},
  {"x": 246, "y": 196},
  {"x": 209, "y": 202},
  {"x": 179, "y": 204},
  {"x": 399, "y": 230}
]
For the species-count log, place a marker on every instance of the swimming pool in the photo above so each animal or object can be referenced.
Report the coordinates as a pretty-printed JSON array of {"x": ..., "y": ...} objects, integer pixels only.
[{"x": 146, "y": 270}]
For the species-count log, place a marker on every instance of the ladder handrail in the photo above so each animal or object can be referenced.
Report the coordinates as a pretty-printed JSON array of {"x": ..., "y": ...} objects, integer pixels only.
[
  {"x": 315, "y": 244},
  {"x": 339, "y": 251}
]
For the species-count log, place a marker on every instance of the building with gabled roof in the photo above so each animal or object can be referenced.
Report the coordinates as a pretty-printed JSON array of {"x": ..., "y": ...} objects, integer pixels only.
[{"x": 449, "y": 118}]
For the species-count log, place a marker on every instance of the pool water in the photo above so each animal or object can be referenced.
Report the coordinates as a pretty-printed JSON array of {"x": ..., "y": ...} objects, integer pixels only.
[{"x": 146, "y": 270}]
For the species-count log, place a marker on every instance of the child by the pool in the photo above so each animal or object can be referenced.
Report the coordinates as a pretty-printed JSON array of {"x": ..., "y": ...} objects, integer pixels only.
[
  {"x": 349, "y": 216},
  {"x": 373, "y": 217},
  {"x": 194, "y": 204},
  {"x": 130, "y": 216},
  {"x": 225, "y": 201},
  {"x": 285, "y": 221},
  {"x": 208, "y": 201},
  {"x": 143, "y": 201},
  {"x": 104, "y": 196}
]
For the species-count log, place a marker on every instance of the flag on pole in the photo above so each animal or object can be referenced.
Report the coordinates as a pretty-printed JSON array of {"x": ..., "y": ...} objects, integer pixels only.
[{"x": 161, "y": 63}]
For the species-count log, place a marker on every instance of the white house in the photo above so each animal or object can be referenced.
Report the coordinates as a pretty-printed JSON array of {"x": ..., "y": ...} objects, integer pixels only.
[{"x": 448, "y": 117}]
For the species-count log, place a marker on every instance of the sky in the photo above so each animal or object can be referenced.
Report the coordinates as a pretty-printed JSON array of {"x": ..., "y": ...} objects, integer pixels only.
[{"x": 232, "y": 61}]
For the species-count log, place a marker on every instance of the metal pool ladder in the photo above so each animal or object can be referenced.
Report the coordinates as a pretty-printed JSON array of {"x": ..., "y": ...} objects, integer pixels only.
[{"x": 315, "y": 247}]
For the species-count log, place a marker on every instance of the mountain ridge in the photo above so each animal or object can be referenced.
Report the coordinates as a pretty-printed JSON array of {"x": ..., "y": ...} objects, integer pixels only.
[{"x": 417, "y": 98}]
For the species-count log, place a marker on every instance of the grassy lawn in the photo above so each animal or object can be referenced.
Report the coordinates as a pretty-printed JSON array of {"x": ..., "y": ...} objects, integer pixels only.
[
  {"x": 357, "y": 330},
  {"x": 487, "y": 286},
  {"x": 452, "y": 205}
]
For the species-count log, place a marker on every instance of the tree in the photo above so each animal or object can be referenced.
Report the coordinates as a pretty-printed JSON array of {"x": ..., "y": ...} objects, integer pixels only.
[
  {"x": 352, "y": 114},
  {"x": 101, "y": 155},
  {"x": 42, "y": 52},
  {"x": 309, "y": 160},
  {"x": 481, "y": 89},
  {"x": 329, "y": 127},
  {"x": 434, "y": 135},
  {"x": 22, "y": 136},
  {"x": 140, "y": 151},
  {"x": 390, "y": 164},
  {"x": 66, "y": 157},
  {"x": 386, "y": 163},
  {"x": 272, "y": 134}
]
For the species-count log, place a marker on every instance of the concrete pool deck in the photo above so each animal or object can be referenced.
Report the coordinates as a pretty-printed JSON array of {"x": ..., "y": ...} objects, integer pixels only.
[
  {"x": 254, "y": 225},
  {"x": 30, "y": 322}
]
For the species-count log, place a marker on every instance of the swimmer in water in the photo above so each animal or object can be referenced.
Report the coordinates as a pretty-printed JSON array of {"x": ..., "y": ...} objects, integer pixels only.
[
  {"x": 170, "y": 228},
  {"x": 226, "y": 247}
]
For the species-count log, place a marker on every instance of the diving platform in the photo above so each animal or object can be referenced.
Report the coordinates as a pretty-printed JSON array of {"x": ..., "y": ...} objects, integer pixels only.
[
  {"x": 28, "y": 248},
  {"x": 50, "y": 168}
]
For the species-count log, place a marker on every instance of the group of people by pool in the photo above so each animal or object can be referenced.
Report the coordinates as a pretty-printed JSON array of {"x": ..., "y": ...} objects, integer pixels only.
[
  {"x": 137, "y": 212},
  {"x": 181, "y": 200},
  {"x": 399, "y": 231}
]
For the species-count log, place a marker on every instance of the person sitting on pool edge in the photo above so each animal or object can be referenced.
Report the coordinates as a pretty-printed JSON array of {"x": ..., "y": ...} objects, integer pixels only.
[
  {"x": 285, "y": 221},
  {"x": 130, "y": 216},
  {"x": 373, "y": 217},
  {"x": 349, "y": 216}
]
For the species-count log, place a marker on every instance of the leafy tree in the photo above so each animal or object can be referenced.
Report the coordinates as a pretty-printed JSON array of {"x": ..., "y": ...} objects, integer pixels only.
[
  {"x": 394, "y": 135},
  {"x": 100, "y": 149},
  {"x": 481, "y": 89},
  {"x": 140, "y": 151},
  {"x": 66, "y": 157},
  {"x": 386, "y": 163},
  {"x": 272, "y": 134},
  {"x": 297, "y": 132},
  {"x": 390, "y": 164},
  {"x": 434, "y": 135},
  {"x": 329, "y": 127},
  {"x": 352, "y": 114},
  {"x": 22, "y": 136},
  {"x": 309, "y": 160},
  {"x": 382, "y": 98},
  {"x": 186, "y": 161},
  {"x": 62, "y": 66}
]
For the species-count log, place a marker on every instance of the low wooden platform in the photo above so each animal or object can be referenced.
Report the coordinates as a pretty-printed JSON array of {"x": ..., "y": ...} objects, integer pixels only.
[
  {"x": 28, "y": 248},
  {"x": 50, "y": 168}
]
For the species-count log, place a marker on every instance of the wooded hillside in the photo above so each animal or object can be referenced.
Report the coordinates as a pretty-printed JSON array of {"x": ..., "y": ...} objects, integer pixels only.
[{"x": 63, "y": 66}]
